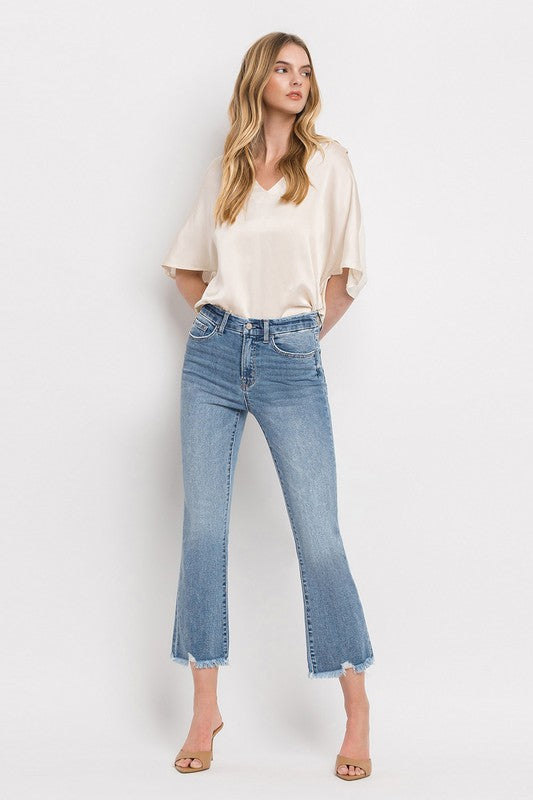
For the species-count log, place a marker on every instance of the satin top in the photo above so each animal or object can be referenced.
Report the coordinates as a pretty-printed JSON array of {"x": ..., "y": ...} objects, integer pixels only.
[{"x": 276, "y": 258}]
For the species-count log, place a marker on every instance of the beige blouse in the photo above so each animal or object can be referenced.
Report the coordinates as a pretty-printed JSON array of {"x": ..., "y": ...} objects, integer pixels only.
[{"x": 276, "y": 259}]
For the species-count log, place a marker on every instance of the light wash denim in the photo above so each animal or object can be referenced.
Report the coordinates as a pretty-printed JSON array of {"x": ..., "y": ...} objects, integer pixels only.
[{"x": 272, "y": 368}]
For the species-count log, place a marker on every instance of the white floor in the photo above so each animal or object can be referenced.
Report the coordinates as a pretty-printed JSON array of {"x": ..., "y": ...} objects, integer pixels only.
[
  {"x": 415, "y": 757},
  {"x": 141, "y": 774}
]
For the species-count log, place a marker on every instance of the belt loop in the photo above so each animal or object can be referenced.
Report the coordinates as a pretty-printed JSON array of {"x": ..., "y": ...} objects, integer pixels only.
[
  {"x": 223, "y": 323},
  {"x": 265, "y": 330}
]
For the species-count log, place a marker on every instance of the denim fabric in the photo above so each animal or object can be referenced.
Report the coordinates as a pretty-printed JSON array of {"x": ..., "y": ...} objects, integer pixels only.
[{"x": 273, "y": 369}]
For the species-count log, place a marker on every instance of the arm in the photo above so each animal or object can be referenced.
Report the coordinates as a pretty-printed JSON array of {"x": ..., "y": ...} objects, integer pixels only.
[
  {"x": 338, "y": 301},
  {"x": 346, "y": 264},
  {"x": 190, "y": 285}
]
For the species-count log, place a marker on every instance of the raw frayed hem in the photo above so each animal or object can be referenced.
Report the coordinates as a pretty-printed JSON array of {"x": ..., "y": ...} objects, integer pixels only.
[
  {"x": 345, "y": 665},
  {"x": 214, "y": 662}
]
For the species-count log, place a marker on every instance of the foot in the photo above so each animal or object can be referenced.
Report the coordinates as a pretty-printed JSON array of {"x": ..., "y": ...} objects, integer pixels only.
[
  {"x": 356, "y": 738},
  {"x": 200, "y": 734}
]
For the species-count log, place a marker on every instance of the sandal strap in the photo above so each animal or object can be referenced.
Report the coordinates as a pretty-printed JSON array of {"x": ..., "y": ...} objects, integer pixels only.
[
  {"x": 363, "y": 763},
  {"x": 203, "y": 755}
]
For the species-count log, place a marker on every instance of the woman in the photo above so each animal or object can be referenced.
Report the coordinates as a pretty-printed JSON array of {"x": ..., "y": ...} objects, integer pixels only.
[{"x": 276, "y": 231}]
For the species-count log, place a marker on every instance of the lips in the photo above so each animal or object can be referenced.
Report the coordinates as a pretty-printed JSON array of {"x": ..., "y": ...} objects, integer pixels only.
[{"x": 295, "y": 95}]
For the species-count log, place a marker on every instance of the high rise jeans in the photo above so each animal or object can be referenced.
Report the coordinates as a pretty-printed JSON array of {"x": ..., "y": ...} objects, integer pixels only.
[{"x": 272, "y": 368}]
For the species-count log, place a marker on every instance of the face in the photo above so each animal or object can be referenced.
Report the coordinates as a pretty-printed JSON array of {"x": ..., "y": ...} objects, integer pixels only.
[{"x": 290, "y": 73}]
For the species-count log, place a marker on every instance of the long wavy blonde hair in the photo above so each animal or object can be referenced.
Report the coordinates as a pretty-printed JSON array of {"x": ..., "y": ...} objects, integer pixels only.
[{"x": 246, "y": 131}]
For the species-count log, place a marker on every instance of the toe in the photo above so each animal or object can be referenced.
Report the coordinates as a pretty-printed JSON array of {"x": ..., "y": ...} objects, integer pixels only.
[
  {"x": 195, "y": 763},
  {"x": 349, "y": 769}
]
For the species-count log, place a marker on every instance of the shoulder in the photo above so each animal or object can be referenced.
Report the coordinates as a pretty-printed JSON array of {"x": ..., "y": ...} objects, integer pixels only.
[
  {"x": 336, "y": 148},
  {"x": 337, "y": 154},
  {"x": 334, "y": 157},
  {"x": 335, "y": 167},
  {"x": 214, "y": 166},
  {"x": 210, "y": 180}
]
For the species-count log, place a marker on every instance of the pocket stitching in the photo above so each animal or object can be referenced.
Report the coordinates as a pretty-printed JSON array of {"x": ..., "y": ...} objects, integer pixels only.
[
  {"x": 204, "y": 327},
  {"x": 294, "y": 355}
]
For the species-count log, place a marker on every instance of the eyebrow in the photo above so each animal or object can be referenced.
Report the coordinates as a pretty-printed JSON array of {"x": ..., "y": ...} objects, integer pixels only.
[{"x": 290, "y": 65}]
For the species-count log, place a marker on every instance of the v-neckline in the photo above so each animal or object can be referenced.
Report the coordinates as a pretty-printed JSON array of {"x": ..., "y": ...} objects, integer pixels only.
[
  {"x": 267, "y": 191},
  {"x": 272, "y": 187}
]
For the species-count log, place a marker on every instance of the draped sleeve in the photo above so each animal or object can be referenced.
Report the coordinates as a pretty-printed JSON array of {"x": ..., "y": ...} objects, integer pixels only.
[
  {"x": 193, "y": 245},
  {"x": 347, "y": 248}
]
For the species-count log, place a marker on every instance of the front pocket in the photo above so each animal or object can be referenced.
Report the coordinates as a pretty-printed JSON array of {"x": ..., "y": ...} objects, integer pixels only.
[
  {"x": 202, "y": 328},
  {"x": 296, "y": 344}
]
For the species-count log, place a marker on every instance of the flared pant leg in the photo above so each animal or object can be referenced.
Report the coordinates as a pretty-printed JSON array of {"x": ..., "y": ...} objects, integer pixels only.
[
  {"x": 211, "y": 432},
  {"x": 294, "y": 415}
]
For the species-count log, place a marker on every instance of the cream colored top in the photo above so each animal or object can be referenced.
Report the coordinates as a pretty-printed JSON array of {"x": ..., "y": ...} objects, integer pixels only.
[{"x": 276, "y": 258}]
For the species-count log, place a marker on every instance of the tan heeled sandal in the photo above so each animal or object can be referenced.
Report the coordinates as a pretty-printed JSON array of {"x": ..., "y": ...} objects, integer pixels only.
[
  {"x": 364, "y": 763},
  {"x": 205, "y": 756}
]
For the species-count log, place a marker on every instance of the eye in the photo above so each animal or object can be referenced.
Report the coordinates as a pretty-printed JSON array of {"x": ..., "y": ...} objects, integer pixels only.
[{"x": 307, "y": 73}]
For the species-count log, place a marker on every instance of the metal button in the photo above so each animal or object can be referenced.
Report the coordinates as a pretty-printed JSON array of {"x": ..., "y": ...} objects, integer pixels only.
[{"x": 249, "y": 325}]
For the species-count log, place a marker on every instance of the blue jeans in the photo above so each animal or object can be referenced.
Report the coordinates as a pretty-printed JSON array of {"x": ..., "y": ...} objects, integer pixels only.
[{"x": 272, "y": 368}]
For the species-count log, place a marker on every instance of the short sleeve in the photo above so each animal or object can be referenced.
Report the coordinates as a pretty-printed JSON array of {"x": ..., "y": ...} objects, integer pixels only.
[
  {"x": 193, "y": 246},
  {"x": 348, "y": 239}
]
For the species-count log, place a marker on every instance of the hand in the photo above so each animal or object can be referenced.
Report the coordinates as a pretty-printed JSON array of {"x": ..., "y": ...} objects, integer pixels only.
[
  {"x": 190, "y": 285},
  {"x": 338, "y": 301}
]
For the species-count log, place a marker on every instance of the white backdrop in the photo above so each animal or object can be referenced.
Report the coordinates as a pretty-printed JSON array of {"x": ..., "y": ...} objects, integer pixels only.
[{"x": 111, "y": 113}]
